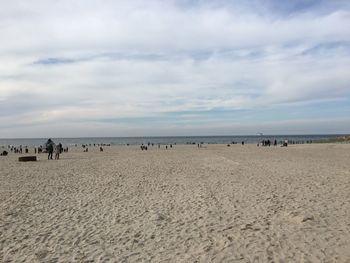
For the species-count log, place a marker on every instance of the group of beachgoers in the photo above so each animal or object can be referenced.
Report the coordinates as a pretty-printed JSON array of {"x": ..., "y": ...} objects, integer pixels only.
[
  {"x": 268, "y": 143},
  {"x": 51, "y": 148},
  {"x": 144, "y": 147},
  {"x": 16, "y": 149},
  {"x": 54, "y": 150},
  {"x": 263, "y": 143},
  {"x": 86, "y": 148}
]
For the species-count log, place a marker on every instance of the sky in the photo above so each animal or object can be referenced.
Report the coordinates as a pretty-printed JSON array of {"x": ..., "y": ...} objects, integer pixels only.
[{"x": 77, "y": 68}]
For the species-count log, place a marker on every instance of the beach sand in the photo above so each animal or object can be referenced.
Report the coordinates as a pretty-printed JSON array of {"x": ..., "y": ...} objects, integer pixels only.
[{"x": 213, "y": 204}]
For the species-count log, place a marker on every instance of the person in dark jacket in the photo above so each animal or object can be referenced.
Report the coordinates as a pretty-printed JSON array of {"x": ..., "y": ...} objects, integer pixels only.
[{"x": 49, "y": 148}]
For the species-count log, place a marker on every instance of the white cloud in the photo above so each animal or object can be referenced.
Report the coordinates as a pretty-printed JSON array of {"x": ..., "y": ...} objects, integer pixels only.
[{"x": 138, "y": 59}]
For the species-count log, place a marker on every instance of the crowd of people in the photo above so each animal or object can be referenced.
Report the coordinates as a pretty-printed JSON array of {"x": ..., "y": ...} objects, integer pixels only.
[
  {"x": 55, "y": 150},
  {"x": 268, "y": 142},
  {"x": 144, "y": 147}
]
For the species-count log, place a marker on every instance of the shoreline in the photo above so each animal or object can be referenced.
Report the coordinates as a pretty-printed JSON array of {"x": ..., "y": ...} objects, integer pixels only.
[{"x": 296, "y": 139}]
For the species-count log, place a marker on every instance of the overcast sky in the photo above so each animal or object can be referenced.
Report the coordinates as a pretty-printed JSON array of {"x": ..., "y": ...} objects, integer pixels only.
[{"x": 73, "y": 68}]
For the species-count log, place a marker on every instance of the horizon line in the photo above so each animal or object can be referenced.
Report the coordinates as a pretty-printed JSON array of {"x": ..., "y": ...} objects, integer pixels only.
[{"x": 179, "y": 136}]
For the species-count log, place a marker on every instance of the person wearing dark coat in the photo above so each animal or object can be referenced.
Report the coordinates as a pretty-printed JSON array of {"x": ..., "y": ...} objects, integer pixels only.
[{"x": 49, "y": 148}]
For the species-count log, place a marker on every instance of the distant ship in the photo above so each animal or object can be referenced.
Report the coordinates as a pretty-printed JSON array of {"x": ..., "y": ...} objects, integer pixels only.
[{"x": 260, "y": 134}]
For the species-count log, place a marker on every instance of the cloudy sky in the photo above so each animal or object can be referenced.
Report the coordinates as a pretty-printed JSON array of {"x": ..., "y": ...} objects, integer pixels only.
[{"x": 137, "y": 68}]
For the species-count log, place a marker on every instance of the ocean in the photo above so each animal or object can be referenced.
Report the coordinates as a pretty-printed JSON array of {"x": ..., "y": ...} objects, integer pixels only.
[{"x": 168, "y": 140}]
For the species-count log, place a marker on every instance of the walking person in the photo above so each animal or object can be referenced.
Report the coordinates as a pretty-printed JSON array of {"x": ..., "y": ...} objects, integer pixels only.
[
  {"x": 49, "y": 148},
  {"x": 50, "y": 151},
  {"x": 58, "y": 151}
]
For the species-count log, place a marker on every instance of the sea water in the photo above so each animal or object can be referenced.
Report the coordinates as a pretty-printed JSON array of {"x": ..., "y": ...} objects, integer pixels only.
[{"x": 169, "y": 140}]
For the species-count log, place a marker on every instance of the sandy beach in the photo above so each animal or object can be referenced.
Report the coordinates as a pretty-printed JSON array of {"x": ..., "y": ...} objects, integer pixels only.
[{"x": 213, "y": 204}]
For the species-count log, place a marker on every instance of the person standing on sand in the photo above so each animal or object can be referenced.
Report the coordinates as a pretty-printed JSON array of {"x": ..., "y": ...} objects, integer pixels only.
[
  {"x": 49, "y": 148},
  {"x": 50, "y": 151},
  {"x": 57, "y": 151}
]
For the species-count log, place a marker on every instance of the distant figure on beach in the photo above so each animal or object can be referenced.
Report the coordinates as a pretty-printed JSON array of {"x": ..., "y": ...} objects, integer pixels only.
[
  {"x": 49, "y": 148},
  {"x": 266, "y": 143},
  {"x": 101, "y": 149},
  {"x": 57, "y": 151},
  {"x": 143, "y": 147},
  {"x": 242, "y": 142},
  {"x": 285, "y": 144},
  {"x": 4, "y": 153},
  {"x": 275, "y": 143}
]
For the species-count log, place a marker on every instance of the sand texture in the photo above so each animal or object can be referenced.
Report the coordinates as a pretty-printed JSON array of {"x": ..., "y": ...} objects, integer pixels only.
[{"x": 214, "y": 204}]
